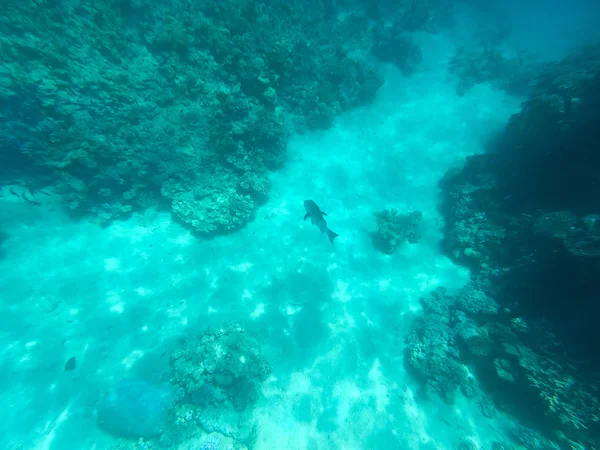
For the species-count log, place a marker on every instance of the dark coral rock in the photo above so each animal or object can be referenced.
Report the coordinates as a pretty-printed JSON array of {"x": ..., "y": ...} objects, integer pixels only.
[
  {"x": 524, "y": 216},
  {"x": 580, "y": 237},
  {"x": 476, "y": 302}
]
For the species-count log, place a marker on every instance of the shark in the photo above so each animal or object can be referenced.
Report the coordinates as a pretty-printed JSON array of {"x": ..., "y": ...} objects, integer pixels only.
[{"x": 317, "y": 218}]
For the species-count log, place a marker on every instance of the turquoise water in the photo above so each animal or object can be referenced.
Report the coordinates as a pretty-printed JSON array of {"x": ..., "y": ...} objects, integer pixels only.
[
  {"x": 330, "y": 319},
  {"x": 117, "y": 297}
]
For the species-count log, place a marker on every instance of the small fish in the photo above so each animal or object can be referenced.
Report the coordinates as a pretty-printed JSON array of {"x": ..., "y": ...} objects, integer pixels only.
[
  {"x": 316, "y": 218},
  {"x": 71, "y": 364}
]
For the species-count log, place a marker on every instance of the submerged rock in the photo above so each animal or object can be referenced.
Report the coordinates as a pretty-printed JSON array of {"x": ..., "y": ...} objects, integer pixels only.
[{"x": 134, "y": 408}]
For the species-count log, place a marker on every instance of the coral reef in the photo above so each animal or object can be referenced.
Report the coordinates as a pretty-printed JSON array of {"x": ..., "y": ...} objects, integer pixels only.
[
  {"x": 222, "y": 368},
  {"x": 394, "y": 228},
  {"x": 217, "y": 377},
  {"x": 149, "y": 106},
  {"x": 185, "y": 104},
  {"x": 430, "y": 352},
  {"x": 524, "y": 217},
  {"x": 474, "y": 66},
  {"x": 580, "y": 237},
  {"x": 452, "y": 338},
  {"x": 486, "y": 59},
  {"x": 562, "y": 392},
  {"x": 450, "y": 331}
]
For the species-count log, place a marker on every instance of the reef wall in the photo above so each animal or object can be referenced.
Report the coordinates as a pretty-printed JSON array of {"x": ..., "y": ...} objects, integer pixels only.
[{"x": 525, "y": 217}]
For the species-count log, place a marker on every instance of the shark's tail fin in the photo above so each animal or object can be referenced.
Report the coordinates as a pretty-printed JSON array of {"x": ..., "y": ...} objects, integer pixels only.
[{"x": 331, "y": 235}]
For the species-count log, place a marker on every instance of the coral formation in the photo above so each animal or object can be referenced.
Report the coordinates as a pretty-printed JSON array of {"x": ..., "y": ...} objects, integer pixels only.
[
  {"x": 524, "y": 217},
  {"x": 430, "y": 352},
  {"x": 474, "y": 66},
  {"x": 580, "y": 237},
  {"x": 447, "y": 337},
  {"x": 394, "y": 228},
  {"x": 217, "y": 379},
  {"x": 149, "y": 105},
  {"x": 559, "y": 225},
  {"x": 222, "y": 368},
  {"x": 185, "y": 104}
]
